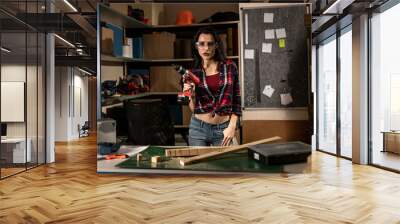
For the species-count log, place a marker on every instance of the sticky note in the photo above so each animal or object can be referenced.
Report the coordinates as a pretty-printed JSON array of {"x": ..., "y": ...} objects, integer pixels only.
[
  {"x": 268, "y": 17},
  {"x": 282, "y": 43},
  {"x": 249, "y": 54},
  {"x": 268, "y": 91},
  {"x": 269, "y": 34},
  {"x": 286, "y": 99},
  {"x": 266, "y": 47},
  {"x": 280, "y": 33}
]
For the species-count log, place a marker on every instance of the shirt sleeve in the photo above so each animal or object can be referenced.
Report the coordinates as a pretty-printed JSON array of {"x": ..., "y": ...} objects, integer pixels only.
[{"x": 236, "y": 97}]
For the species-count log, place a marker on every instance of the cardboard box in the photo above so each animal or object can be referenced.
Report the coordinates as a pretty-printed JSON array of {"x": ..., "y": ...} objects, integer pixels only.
[
  {"x": 164, "y": 79},
  {"x": 159, "y": 45},
  {"x": 107, "y": 40}
]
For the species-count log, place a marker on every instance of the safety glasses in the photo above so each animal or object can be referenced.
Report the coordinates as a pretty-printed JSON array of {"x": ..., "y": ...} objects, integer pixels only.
[{"x": 204, "y": 44}]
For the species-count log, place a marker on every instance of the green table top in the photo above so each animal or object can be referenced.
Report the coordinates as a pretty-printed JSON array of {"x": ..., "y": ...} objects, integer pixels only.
[{"x": 230, "y": 162}]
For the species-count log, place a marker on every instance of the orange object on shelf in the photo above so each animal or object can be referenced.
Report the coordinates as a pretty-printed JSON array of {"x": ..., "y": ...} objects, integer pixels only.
[
  {"x": 116, "y": 156},
  {"x": 184, "y": 17}
]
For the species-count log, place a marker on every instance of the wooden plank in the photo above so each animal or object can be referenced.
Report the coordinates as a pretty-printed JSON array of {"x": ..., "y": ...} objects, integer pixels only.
[
  {"x": 192, "y": 151},
  {"x": 224, "y": 151}
]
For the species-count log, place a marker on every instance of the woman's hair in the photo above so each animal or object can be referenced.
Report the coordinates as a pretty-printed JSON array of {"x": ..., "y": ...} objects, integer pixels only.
[{"x": 219, "y": 54}]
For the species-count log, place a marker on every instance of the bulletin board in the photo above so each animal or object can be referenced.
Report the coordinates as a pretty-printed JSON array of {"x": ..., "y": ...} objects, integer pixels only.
[{"x": 275, "y": 56}]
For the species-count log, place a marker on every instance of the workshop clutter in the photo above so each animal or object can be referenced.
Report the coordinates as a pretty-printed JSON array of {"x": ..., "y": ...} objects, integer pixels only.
[
  {"x": 185, "y": 17},
  {"x": 137, "y": 82},
  {"x": 108, "y": 88}
]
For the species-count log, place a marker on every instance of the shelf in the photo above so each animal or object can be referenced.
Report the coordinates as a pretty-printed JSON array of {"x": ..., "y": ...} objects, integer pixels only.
[
  {"x": 119, "y": 99},
  {"x": 109, "y": 15},
  {"x": 195, "y": 25},
  {"x": 111, "y": 58}
]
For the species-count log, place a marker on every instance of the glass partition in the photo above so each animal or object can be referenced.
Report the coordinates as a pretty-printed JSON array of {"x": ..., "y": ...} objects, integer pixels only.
[
  {"x": 327, "y": 93},
  {"x": 385, "y": 89},
  {"x": 22, "y": 67},
  {"x": 346, "y": 93}
]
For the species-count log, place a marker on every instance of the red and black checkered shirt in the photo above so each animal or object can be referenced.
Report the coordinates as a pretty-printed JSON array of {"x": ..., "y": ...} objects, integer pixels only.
[{"x": 226, "y": 100}]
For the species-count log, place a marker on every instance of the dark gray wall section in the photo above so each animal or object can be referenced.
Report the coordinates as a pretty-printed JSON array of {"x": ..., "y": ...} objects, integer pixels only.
[{"x": 285, "y": 69}]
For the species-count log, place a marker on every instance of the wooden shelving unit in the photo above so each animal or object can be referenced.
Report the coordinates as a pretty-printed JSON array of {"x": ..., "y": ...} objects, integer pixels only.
[
  {"x": 111, "y": 58},
  {"x": 119, "y": 99},
  {"x": 108, "y": 15}
]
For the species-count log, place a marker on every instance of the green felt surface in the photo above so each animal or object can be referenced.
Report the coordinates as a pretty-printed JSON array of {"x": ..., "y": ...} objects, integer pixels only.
[{"x": 231, "y": 162}]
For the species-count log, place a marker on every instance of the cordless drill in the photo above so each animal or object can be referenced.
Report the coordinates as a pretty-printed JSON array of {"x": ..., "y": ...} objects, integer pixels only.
[{"x": 187, "y": 77}]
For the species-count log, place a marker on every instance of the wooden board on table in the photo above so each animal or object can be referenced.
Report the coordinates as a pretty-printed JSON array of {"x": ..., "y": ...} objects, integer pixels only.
[
  {"x": 227, "y": 150},
  {"x": 191, "y": 151}
]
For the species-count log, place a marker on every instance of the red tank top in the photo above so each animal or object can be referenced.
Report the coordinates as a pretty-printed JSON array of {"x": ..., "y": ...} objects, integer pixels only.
[{"x": 213, "y": 83}]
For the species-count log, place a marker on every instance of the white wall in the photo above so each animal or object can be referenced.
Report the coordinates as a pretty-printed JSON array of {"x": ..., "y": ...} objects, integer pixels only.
[
  {"x": 70, "y": 84},
  {"x": 12, "y": 73}
]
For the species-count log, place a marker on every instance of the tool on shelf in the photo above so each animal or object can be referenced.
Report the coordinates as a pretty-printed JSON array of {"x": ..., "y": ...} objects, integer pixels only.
[{"x": 187, "y": 77}]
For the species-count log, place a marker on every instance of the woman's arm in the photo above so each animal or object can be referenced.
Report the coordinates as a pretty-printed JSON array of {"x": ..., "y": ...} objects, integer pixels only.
[{"x": 236, "y": 97}]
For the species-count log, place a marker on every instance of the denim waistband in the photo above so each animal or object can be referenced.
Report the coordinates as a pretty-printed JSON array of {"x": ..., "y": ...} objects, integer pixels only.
[{"x": 203, "y": 123}]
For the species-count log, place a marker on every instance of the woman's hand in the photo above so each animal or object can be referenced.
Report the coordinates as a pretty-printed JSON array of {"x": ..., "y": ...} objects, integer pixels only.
[
  {"x": 188, "y": 87},
  {"x": 229, "y": 134}
]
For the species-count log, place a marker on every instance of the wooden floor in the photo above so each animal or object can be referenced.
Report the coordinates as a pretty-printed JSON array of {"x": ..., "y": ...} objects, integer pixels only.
[{"x": 70, "y": 191}]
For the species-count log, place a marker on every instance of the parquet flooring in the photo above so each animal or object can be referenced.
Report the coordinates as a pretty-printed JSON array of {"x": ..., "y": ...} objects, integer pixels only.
[{"x": 332, "y": 191}]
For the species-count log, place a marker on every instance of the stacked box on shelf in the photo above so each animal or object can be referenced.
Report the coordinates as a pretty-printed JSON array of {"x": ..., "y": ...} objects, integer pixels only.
[
  {"x": 158, "y": 45},
  {"x": 164, "y": 79},
  {"x": 117, "y": 39}
]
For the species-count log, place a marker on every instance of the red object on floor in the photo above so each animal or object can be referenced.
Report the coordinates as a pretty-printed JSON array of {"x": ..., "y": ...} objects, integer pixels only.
[{"x": 116, "y": 156}]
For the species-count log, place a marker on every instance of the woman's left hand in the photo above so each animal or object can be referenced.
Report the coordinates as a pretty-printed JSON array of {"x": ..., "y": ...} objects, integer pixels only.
[{"x": 229, "y": 133}]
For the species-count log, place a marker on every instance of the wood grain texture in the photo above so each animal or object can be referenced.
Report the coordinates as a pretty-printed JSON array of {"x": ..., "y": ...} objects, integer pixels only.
[
  {"x": 296, "y": 130},
  {"x": 333, "y": 190},
  {"x": 192, "y": 151},
  {"x": 227, "y": 150}
]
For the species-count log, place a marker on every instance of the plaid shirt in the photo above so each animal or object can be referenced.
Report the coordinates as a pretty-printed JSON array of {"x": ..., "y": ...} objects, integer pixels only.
[{"x": 226, "y": 100}]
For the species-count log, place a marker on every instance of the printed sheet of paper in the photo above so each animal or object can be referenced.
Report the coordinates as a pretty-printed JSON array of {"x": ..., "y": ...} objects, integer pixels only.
[
  {"x": 268, "y": 17},
  {"x": 266, "y": 47},
  {"x": 269, "y": 34},
  {"x": 280, "y": 33},
  {"x": 268, "y": 91},
  {"x": 248, "y": 53},
  {"x": 286, "y": 99}
]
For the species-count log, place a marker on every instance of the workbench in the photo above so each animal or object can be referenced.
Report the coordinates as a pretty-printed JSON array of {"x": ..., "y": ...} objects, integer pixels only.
[{"x": 231, "y": 163}]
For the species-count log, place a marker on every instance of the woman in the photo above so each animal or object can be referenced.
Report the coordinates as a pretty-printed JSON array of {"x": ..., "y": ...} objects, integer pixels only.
[{"x": 215, "y": 102}]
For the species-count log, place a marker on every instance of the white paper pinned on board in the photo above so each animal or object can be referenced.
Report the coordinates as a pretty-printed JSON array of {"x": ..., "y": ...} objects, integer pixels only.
[
  {"x": 280, "y": 33},
  {"x": 266, "y": 47},
  {"x": 269, "y": 34},
  {"x": 268, "y": 91},
  {"x": 249, "y": 54},
  {"x": 286, "y": 99},
  {"x": 268, "y": 17}
]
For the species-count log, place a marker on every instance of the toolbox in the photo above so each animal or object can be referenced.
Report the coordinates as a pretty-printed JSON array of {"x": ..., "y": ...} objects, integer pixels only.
[{"x": 280, "y": 153}]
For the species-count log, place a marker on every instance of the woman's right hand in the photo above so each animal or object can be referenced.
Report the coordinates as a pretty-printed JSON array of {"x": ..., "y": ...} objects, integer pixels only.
[{"x": 187, "y": 87}]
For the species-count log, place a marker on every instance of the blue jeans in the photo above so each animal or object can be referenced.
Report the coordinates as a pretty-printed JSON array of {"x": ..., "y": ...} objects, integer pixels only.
[{"x": 206, "y": 134}]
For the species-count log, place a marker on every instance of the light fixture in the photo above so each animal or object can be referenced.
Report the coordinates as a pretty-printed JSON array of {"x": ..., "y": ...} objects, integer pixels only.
[
  {"x": 84, "y": 71},
  {"x": 65, "y": 41},
  {"x": 337, "y": 7},
  {"x": 70, "y": 5},
  {"x": 5, "y": 49}
]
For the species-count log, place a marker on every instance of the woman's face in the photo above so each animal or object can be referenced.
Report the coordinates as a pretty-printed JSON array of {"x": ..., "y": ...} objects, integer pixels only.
[{"x": 206, "y": 46}]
